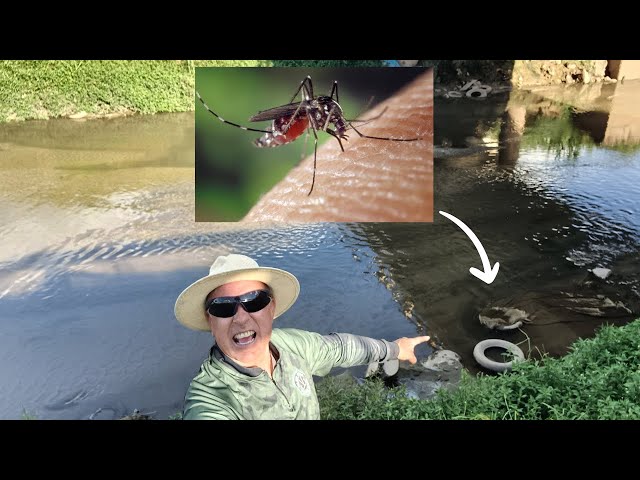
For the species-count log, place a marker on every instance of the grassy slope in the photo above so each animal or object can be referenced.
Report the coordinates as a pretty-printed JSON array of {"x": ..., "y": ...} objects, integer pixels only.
[
  {"x": 599, "y": 379},
  {"x": 49, "y": 88}
]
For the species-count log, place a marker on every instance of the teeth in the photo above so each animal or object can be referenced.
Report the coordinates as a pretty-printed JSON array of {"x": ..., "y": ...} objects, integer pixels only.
[{"x": 248, "y": 333}]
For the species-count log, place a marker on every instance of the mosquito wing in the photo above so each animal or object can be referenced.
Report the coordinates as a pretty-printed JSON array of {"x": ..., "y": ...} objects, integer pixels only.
[{"x": 276, "y": 112}]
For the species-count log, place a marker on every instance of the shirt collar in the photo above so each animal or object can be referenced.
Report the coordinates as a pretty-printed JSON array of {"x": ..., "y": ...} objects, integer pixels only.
[{"x": 218, "y": 354}]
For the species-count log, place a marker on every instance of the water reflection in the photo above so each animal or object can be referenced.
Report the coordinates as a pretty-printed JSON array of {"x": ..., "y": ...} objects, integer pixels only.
[
  {"x": 579, "y": 145},
  {"x": 98, "y": 241}
]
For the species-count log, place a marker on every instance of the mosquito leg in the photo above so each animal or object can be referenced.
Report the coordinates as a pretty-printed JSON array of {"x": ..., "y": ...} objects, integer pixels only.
[
  {"x": 366, "y": 107},
  {"x": 298, "y": 90},
  {"x": 315, "y": 152},
  {"x": 307, "y": 95},
  {"x": 227, "y": 121},
  {"x": 285, "y": 129},
  {"x": 333, "y": 134},
  {"x": 304, "y": 149},
  {"x": 308, "y": 89},
  {"x": 326, "y": 123},
  {"x": 335, "y": 89},
  {"x": 383, "y": 138},
  {"x": 369, "y": 119}
]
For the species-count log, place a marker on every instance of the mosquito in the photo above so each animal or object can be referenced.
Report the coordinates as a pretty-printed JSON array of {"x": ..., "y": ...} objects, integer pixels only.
[{"x": 321, "y": 113}]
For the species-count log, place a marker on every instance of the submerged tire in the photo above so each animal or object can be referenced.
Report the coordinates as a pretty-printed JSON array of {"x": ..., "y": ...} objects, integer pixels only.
[
  {"x": 478, "y": 92},
  {"x": 481, "y": 358}
]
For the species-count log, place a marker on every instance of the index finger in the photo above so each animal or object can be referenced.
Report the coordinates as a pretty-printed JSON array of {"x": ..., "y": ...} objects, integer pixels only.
[{"x": 419, "y": 340}]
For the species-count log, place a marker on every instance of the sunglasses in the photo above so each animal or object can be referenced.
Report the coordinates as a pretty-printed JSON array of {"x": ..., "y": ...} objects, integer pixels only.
[{"x": 225, "y": 307}]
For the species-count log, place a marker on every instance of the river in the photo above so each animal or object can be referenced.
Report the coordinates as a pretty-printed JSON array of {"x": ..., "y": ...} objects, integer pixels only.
[{"x": 98, "y": 239}]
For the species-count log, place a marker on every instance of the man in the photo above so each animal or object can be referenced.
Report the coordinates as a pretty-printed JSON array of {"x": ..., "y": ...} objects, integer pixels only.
[{"x": 254, "y": 371}]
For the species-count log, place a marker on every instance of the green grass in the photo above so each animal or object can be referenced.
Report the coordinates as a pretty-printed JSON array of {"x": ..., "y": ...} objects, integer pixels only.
[
  {"x": 51, "y": 88},
  {"x": 26, "y": 415},
  {"x": 598, "y": 379},
  {"x": 329, "y": 63},
  {"x": 42, "y": 89}
]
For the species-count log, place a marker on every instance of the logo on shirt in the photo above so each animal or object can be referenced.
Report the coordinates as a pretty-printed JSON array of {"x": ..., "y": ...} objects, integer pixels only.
[{"x": 301, "y": 383}]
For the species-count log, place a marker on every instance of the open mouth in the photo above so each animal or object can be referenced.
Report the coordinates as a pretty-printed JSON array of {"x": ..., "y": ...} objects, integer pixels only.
[{"x": 245, "y": 338}]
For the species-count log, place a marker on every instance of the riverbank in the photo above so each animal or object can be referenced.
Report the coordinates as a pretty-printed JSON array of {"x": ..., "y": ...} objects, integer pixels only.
[
  {"x": 79, "y": 89},
  {"x": 479, "y": 78},
  {"x": 598, "y": 379},
  {"x": 84, "y": 89}
]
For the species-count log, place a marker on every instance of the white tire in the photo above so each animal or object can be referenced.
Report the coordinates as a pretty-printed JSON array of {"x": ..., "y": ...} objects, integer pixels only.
[{"x": 481, "y": 358}]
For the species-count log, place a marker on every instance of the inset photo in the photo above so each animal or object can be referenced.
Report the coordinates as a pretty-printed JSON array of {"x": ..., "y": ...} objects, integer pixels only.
[{"x": 314, "y": 145}]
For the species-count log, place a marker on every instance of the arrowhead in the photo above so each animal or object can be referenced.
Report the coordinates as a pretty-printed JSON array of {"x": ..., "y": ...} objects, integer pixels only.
[{"x": 486, "y": 277}]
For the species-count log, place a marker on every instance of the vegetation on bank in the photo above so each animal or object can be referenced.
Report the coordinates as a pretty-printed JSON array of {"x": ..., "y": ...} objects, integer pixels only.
[
  {"x": 598, "y": 379},
  {"x": 41, "y": 89}
]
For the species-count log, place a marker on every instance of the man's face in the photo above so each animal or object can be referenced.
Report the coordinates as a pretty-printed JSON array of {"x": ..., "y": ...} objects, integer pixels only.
[{"x": 245, "y": 336}]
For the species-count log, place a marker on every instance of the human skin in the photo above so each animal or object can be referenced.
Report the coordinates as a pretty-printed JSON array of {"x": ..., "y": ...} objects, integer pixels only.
[
  {"x": 372, "y": 180},
  {"x": 256, "y": 353}
]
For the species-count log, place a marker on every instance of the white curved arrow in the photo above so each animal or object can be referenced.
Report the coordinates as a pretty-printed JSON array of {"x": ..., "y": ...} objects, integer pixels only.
[{"x": 489, "y": 274}]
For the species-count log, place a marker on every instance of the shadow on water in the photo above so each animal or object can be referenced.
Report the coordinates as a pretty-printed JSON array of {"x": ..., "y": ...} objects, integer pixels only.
[
  {"x": 551, "y": 188},
  {"x": 101, "y": 334},
  {"x": 99, "y": 239}
]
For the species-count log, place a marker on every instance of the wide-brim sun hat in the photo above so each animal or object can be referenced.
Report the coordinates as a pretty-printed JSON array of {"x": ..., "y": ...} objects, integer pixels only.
[{"x": 190, "y": 305}]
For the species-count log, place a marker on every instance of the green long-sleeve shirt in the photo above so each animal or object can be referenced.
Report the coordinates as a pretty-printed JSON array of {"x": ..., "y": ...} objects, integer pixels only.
[{"x": 225, "y": 390}]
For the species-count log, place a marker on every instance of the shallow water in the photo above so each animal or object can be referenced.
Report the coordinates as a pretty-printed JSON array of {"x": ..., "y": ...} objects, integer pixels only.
[{"x": 99, "y": 239}]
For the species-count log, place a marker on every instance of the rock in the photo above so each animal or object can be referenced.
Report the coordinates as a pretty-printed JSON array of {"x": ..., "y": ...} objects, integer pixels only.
[
  {"x": 599, "y": 67},
  {"x": 586, "y": 78},
  {"x": 602, "y": 273},
  {"x": 442, "y": 369},
  {"x": 443, "y": 360},
  {"x": 136, "y": 415},
  {"x": 622, "y": 306},
  {"x": 78, "y": 116}
]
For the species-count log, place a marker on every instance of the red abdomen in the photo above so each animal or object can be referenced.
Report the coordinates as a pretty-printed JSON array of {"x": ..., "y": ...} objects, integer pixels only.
[
  {"x": 296, "y": 129},
  {"x": 277, "y": 137}
]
